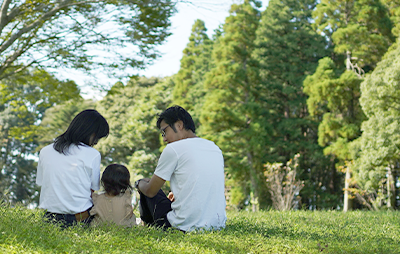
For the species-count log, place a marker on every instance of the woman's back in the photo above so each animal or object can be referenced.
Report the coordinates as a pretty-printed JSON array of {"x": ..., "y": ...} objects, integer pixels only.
[{"x": 67, "y": 180}]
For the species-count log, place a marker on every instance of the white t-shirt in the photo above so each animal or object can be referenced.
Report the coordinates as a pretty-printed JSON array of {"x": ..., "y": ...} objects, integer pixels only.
[
  {"x": 66, "y": 180},
  {"x": 195, "y": 169}
]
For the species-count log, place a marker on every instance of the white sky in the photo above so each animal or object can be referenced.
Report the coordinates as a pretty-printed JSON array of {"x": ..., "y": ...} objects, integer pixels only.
[{"x": 212, "y": 12}]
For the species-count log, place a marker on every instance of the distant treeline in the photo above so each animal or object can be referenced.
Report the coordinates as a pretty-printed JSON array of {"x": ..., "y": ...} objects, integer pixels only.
[{"x": 304, "y": 96}]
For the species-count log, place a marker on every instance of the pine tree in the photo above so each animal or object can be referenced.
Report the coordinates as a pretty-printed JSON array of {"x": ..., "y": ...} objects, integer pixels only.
[
  {"x": 359, "y": 33},
  {"x": 189, "y": 81},
  {"x": 231, "y": 115},
  {"x": 334, "y": 100},
  {"x": 288, "y": 50}
]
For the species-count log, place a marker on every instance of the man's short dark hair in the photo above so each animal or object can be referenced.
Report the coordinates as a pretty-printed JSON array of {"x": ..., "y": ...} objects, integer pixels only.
[{"x": 173, "y": 114}]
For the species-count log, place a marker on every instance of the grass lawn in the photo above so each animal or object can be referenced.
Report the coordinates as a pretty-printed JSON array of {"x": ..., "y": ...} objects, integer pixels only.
[{"x": 22, "y": 231}]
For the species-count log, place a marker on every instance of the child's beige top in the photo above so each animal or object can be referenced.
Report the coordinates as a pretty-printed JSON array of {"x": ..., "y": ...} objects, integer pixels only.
[{"x": 117, "y": 209}]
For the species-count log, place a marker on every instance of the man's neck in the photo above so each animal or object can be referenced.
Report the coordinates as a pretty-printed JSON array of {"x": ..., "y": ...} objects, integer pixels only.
[{"x": 189, "y": 134}]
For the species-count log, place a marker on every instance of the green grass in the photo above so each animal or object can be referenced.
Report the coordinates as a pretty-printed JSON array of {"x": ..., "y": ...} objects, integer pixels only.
[{"x": 22, "y": 231}]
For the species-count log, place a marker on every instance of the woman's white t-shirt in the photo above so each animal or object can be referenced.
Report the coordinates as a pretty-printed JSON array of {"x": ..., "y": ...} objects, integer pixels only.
[
  {"x": 195, "y": 169},
  {"x": 66, "y": 180}
]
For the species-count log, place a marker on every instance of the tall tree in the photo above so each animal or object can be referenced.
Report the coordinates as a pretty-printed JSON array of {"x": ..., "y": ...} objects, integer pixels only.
[
  {"x": 130, "y": 130},
  {"x": 231, "y": 114},
  {"x": 288, "y": 50},
  {"x": 71, "y": 33},
  {"x": 189, "y": 81},
  {"x": 359, "y": 33},
  {"x": 334, "y": 100},
  {"x": 23, "y": 101},
  {"x": 141, "y": 130},
  {"x": 360, "y": 30},
  {"x": 379, "y": 158}
]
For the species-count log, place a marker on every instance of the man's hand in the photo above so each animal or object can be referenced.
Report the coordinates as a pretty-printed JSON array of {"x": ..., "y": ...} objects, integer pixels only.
[{"x": 171, "y": 196}]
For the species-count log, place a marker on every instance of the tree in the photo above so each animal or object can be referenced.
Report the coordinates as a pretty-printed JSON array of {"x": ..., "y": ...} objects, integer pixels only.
[
  {"x": 360, "y": 30},
  {"x": 24, "y": 99},
  {"x": 334, "y": 99},
  {"x": 379, "y": 160},
  {"x": 189, "y": 81},
  {"x": 231, "y": 114},
  {"x": 141, "y": 130},
  {"x": 394, "y": 11},
  {"x": 359, "y": 33},
  {"x": 131, "y": 111},
  {"x": 72, "y": 33},
  {"x": 288, "y": 50}
]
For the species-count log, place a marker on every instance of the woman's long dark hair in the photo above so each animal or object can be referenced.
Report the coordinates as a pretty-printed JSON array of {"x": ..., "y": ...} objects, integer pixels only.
[
  {"x": 87, "y": 127},
  {"x": 116, "y": 179}
]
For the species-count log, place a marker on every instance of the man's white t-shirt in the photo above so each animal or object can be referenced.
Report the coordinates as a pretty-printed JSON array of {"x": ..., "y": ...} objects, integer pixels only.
[
  {"x": 195, "y": 169},
  {"x": 66, "y": 180}
]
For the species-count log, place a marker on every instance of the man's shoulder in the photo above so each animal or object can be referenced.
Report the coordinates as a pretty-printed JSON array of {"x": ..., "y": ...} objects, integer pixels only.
[
  {"x": 190, "y": 144},
  {"x": 191, "y": 141}
]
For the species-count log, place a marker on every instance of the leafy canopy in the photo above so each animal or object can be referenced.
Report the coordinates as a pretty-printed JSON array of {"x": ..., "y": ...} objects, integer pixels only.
[{"x": 81, "y": 34}]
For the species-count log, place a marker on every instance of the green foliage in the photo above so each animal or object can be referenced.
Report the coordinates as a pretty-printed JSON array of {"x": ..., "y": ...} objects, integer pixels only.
[
  {"x": 62, "y": 33},
  {"x": 285, "y": 60},
  {"x": 141, "y": 129},
  {"x": 360, "y": 28},
  {"x": 114, "y": 107},
  {"x": 380, "y": 140},
  {"x": 338, "y": 96},
  {"x": 23, "y": 230},
  {"x": 393, "y": 7},
  {"x": 23, "y": 101},
  {"x": 131, "y": 111},
  {"x": 231, "y": 115},
  {"x": 288, "y": 50},
  {"x": 361, "y": 32},
  {"x": 57, "y": 119},
  {"x": 189, "y": 89}
]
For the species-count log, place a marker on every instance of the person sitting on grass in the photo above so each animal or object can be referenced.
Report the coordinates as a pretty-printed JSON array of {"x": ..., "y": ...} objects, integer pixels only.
[
  {"x": 68, "y": 170},
  {"x": 195, "y": 169},
  {"x": 115, "y": 204}
]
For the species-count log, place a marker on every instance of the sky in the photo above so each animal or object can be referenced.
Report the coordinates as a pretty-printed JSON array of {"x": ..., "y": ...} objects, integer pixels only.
[{"x": 212, "y": 12}]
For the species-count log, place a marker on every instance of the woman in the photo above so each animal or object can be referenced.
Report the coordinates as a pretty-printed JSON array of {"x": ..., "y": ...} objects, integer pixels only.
[{"x": 69, "y": 170}]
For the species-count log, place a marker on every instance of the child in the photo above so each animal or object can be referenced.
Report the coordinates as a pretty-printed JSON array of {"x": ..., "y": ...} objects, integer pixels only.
[{"x": 115, "y": 204}]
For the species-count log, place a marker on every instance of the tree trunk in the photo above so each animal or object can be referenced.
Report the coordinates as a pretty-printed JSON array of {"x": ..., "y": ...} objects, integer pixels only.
[
  {"x": 390, "y": 188},
  {"x": 253, "y": 182},
  {"x": 346, "y": 205}
]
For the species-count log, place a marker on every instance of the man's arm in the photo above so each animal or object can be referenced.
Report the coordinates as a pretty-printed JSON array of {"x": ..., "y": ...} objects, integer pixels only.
[{"x": 150, "y": 187}]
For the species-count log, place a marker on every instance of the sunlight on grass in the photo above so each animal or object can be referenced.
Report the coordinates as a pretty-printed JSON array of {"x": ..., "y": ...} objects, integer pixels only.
[{"x": 23, "y": 231}]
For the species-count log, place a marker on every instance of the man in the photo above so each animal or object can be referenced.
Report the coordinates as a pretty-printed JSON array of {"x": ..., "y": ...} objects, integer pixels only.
[{"x": 195, "y": 169}]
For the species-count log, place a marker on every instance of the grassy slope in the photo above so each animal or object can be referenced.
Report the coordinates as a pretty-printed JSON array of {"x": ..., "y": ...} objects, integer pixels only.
[{"x": 22, "y": 231}]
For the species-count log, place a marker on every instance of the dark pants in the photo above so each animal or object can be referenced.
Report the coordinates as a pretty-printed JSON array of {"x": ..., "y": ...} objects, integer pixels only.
[
  {"x": 66, "y": 220},
  {"x": 153, "y": 211}
]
